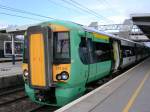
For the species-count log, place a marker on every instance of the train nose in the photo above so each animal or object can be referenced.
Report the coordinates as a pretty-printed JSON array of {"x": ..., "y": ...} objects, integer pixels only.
[{"x": 40, "y": 65}]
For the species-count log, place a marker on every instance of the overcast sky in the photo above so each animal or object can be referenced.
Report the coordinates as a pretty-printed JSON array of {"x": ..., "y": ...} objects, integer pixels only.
[{"x": 107, "y": 11}]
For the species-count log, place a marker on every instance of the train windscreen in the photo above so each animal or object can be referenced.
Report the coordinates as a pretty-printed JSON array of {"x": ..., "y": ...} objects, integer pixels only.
[{"x": 61, "y": 47}]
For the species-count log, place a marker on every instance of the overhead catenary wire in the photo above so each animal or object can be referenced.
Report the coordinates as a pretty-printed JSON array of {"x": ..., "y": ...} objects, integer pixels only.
[
  {"x": 24, "y": 12},
  {"x": 72, "y": 2},
  {"x": 68, "y": 8},
  {"x": 85, "y": 9},
  {"x": 108, "y": 5},
  {"x": 89, "y": 10},
  {"x": 78, "y": 7},
  {"x": 24, "y": 17}
]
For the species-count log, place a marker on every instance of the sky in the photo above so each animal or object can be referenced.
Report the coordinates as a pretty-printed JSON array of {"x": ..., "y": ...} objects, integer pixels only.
[{"x": 107, "y": 11}]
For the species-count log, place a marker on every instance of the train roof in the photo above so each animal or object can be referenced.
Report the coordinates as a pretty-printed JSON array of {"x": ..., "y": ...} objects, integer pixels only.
[
  {"x": 90, "y": 29},
  {"x": 107, "y": 34}
]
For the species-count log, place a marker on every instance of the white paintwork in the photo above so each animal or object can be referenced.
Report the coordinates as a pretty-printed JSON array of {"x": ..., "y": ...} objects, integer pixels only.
[
  {"x": 139, "y": 57},
  {"x": 127, "y": 61},
  {"x": 126, "y": 43}
]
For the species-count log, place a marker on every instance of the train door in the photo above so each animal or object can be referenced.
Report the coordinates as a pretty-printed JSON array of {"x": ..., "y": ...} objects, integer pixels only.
[
  {"x": 91, "y": 64},
  {"x": 116, "y": 49},
  {"x": 39, "y": 41},
  {"x": 102, "y": 55},
  {"x": 103, "y": 59}
]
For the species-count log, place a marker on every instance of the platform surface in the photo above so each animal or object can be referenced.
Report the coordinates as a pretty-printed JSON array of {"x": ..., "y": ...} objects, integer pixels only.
[
  {"x": 10, "y": 59},
  {"x": 8, "y": 69},
  {"x": 129, "y": 92}
]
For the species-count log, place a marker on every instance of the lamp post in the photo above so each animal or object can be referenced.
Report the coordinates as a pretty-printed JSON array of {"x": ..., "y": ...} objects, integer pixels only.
[{"x": 13, "y": 49}]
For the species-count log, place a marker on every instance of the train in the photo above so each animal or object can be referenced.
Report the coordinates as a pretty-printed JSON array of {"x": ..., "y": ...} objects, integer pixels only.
[
  {"x": 6, "y": 46},
  {"x": 61, "y": 57},
  {"x": 3, "y": 37}
]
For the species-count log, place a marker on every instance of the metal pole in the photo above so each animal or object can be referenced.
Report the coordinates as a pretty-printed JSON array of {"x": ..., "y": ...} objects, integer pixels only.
[{"x": 13, "y": 49}]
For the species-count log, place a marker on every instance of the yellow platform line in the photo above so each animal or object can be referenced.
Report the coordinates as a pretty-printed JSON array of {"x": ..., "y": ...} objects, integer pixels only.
[{"x": 136, "y": 93}]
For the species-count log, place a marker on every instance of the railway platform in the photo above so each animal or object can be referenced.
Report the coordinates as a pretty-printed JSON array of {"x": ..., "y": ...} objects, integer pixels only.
[
  {"x": 8, "y": 69},
  {"x": 129, "y": 92},
  {"x": 10, "y": 59},
  {"x": 10, "y": 75}
]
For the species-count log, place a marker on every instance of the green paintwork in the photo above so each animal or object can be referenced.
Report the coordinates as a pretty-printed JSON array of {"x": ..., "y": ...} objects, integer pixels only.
[
  {"x": 30, "y": 92},
  {"x": 75, "y": 86}
]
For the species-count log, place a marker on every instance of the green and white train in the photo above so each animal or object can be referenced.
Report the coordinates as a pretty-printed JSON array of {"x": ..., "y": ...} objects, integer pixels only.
[{"x": 61, "y": 58}]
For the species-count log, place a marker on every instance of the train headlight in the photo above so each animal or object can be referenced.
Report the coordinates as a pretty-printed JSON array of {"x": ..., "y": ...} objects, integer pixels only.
[
  {"x": 62, "y": 76},
  {"x": 58, "y": 77},
  {"x": 26, "y": 73}
]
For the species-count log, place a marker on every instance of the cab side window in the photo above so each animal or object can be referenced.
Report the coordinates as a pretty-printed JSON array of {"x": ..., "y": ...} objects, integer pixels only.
[{"x": 83, "y": 51}]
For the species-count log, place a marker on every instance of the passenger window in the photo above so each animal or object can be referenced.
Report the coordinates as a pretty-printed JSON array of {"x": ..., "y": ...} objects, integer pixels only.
[
  {"x": 128, "y": 51},
  {"x": 93, "y": 52},
  {"x": 102, "y": 51}
]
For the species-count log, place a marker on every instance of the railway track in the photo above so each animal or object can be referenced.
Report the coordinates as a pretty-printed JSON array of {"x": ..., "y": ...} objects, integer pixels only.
[
  {"x": 43, "y": 109},
  {"x": 7, "y": 91},
  {"x": 11, "y": 96},
  {"x": 15, "y": 100}
]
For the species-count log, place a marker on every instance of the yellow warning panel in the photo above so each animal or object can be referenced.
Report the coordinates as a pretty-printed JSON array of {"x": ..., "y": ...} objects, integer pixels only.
[
  {"x": 58, "y": 28},
  {"x": 24, "y": 66},
  {"x": 37, "y": 61},
  {"x": 57, "y": 69}
]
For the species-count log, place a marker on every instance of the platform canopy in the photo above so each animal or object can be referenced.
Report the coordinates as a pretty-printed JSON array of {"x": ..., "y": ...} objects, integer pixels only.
[
  {"x": 143, "y": 22},
  {"x": 17, "y": 30}
]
